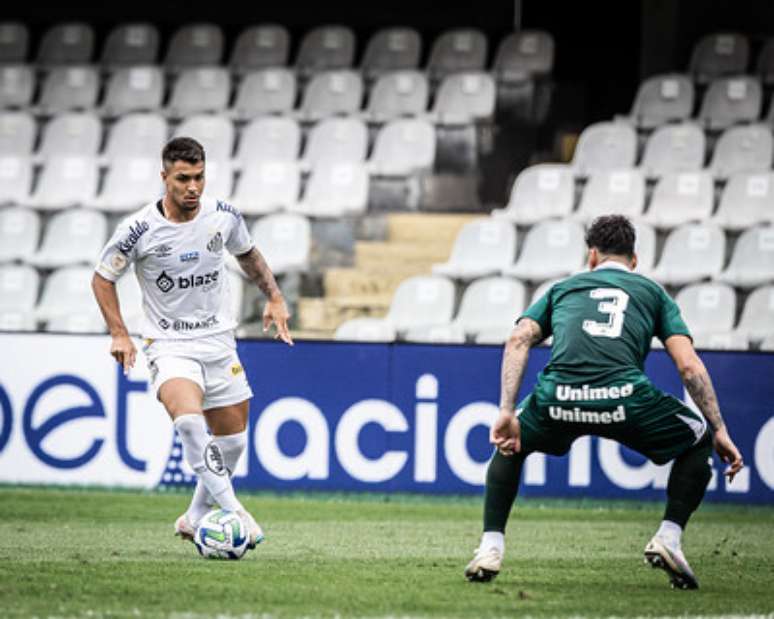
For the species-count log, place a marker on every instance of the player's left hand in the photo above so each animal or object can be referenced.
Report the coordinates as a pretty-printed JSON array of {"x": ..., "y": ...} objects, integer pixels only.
[
  {"x": 506, "y": 434},
  {"x": 277, "y": 312}
]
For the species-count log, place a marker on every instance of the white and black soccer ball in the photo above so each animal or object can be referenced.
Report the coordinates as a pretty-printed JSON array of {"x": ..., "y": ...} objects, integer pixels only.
[{"x": 221, "y": 534}]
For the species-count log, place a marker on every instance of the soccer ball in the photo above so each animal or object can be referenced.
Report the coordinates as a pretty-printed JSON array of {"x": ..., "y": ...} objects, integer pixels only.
[{"x": 221, "y": 534}]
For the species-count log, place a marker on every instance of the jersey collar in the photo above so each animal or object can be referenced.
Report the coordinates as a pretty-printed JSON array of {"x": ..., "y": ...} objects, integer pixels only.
[{"x": 612, "y": 264}]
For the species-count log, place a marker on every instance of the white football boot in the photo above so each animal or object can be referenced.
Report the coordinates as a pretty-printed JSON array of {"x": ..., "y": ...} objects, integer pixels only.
[
  {"x": 254, "y": 530},
  {"x": 184, "y": 529},
  {"x": 485, "y": 565},
  {"x": 672, "y": 560}
]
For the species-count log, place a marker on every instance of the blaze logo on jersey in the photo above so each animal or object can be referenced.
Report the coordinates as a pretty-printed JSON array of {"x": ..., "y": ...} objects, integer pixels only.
[
  {"x": 216, "y": 243},
  {"x": 165, "y": 282},
  {"x": 136, "y": 230},
  {"x": 194, "y": 281}
]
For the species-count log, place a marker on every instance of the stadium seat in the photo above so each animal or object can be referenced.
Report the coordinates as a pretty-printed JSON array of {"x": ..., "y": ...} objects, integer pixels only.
[
  {"x": 767, "y": 344},
  {"x": 84, "y": 321},
  {"x": 328, "y": 48},
  {"x": 260, "y": 47},
  {"x": 742, "y": 149},
  {"x": 129, "y": 45},
  {"x": 680, "y": 198},
  {"x": 707, "y": 308},
  {"x": 731, "y": 100},
  {"x": 421, "y": 301},
  {"x": 266, "y": 186},
  {"x": 17, "y": 133},
  {"x": 615, "y": 191},
  {"x": 19, "y": 233},
  {"x": 18, "y": 287},
  {"x": 396, "y": 94},
  {"x": 435, "y": 334},
  {"x": 284, "y": 239},
  {"x": 137, "y": 135},
  {"x": 66, "y": 44},
  {"x": 74, "y": 236},
  {"x": 403, "y": 147},
  {"x": 17, "y": 85},
  {"x": 523, "y": 55},
  {"x": 219, "y": 175},
  {"x": 77, "y": 134},
  {"x": 757, "y": 320},
  {"x": 130, "y": 300},
  {"x": 551, "y": 249},
  {"x": 674, "y": 148},
  {"x": 717, "y": 55},
  {"x": 692, "y": 252},
  {"x": 336, "y": 140},
  {"x": 391, "y": 49},
  {"x": 464, "y": 99},
  {"x": 645, "y": 247},
  {"x": 214, "y": 132},
  {"x": 483, "y": 247},
  {"x": 194, "y": 45},
  {"x": 66, "y": 180},
  {"x": 542, "y": 191},
  {"x": 14, "y": 42},
  {"x": 130, "y": 183},
  {"x": 662, "y": 99},
  {"x": 490, "y": 307},
  {"x": 268, "y": 91},
  {"x": 720, "y": 341},
  {"x": 366, "y": 330},
  {"x": 15, "y": 179},
  {"x": 133, "y": 89},
  {"x": 747, "y": 200},
  {"x": 17, "y": 320},
  {"x": 335, "y": 189},
  {"x": 269, "y": 139},
  {"x": 456, "y": 51},
  {"x": 200, "y": 90},
  {"x": 752, "y": 262},
  {"x": 765, "y": 65},
  {"x": 68, "y": 88},
  {"x": 331, "y": 93},
  {"x": 66, "y": 291},
  {"x": 605, "y": 146}
]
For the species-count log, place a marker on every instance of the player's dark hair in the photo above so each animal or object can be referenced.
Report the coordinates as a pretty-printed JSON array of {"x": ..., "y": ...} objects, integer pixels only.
[
  {"x": 182, "y": 149},
  {"x": 612, "y": 234}
]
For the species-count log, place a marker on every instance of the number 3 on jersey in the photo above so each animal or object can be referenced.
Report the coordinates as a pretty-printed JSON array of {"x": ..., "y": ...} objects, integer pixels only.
[{"x": 613, "y": 302}]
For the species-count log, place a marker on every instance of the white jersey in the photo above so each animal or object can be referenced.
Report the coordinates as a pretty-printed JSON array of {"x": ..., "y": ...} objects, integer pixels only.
[{"x": 180, "y": 267}]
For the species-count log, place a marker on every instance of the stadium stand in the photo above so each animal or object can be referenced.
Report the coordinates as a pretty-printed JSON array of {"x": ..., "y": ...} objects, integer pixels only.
[
  {"x": 389, "y": 50},
  {"x": 130, "y": 45},
  {"x": 483, "y": 247},
  {"x": 138, "y": 88},
  {"x": 194, "y": 45},
  {"x": 17, "y": 85},
  {"x": 260, "y": 47},
  {"x": 14, "y": 42},
  {"x": 663, "y": 99},
  {"x": 674, "y": 148},
  {"x": 263, "y": 92}
]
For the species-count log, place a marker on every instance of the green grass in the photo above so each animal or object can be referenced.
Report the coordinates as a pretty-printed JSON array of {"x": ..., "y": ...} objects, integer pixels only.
[{"x": 93, "y": 554}]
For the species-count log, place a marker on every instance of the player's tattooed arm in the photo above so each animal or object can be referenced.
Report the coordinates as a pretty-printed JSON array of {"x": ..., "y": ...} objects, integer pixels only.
[
  {"x": 526, "y": 334},
  {"x": 699, "y": 385},
  {"x": 255, "y": 267}
]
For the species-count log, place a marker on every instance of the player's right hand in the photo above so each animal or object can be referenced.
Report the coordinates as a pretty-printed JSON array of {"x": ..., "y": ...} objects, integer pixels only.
[
  {"x": 123, "y": 351},
  {"x": 506, "y": 434},
  {"x": 728, "y": 452}
]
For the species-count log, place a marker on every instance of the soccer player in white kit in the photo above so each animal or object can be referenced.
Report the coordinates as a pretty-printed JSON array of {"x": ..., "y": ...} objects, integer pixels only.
[{"x": 177, "y": 247}]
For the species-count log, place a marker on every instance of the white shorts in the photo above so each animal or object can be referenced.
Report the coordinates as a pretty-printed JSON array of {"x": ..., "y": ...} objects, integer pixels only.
[{"x": 211, "y": 362}]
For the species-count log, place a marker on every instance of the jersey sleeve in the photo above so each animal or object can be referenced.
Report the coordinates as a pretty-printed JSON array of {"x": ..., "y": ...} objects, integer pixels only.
[
  {"x": 239, "y": 240},
  {"x": 669, "y": 321},
  {"x": 121, "y": 250},
  {"x": 540, "y": 312}
]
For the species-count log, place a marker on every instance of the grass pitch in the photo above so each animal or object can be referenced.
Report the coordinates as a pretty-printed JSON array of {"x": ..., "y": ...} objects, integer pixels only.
[{"x": 95, "y": 554}]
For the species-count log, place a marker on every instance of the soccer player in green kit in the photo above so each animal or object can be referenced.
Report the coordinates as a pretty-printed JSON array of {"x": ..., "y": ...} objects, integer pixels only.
[{"x": 602, "y": 322}]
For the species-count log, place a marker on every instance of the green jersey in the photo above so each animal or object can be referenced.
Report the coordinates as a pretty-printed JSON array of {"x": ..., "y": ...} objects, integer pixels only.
[{"x": 602, "y": 323}]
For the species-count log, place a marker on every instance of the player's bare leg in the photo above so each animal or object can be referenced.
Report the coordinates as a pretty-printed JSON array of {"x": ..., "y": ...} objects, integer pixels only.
[{"x": 183, "y": 400}]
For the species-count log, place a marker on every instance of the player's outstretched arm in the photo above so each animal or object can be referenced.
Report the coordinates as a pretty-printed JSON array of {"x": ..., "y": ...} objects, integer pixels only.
[
  {"x": 255, "y": 267},
  {"x": 121, "y": 348},
  {"x": 505, "y": 433},
  {"x": 698, "y": 383}
]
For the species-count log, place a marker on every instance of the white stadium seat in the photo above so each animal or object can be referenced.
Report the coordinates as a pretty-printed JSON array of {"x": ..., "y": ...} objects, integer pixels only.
[
  {"x": 692, "y": 252},
  {"x": 72, "y": 237},
  {"x": 19, "y": 233},
  {"x": 551, "y": 249},
  {"x": 483, "y": 247},
  {"x": 752, "y": 263},
  {"x": 542, "y": 191}
]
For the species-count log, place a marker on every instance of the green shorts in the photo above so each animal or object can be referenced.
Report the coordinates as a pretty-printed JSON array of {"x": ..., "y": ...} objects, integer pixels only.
[{"x": 636, "y": 414}]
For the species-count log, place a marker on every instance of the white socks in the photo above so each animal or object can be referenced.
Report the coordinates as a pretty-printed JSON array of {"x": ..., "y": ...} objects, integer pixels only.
[
  {"x": 231, "y": 446},
  {"x": 207, "y": 460},
  {"x": 671, "y": 533},
  {"x": 493, "y": 539}
]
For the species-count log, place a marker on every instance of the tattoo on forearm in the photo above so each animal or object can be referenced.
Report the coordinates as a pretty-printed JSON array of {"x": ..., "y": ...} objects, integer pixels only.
[
  {"x": 515, "y": 358},
  {"x": 700, "y": 388},
  {"x": 258, "y": 271}
]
